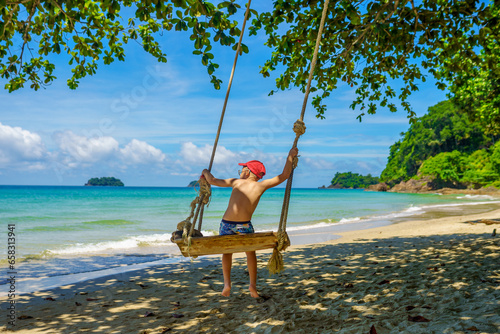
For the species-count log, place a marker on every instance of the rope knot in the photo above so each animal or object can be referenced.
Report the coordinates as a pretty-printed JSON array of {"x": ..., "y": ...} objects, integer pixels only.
[
  {"x": 275, "y": 264},
  {"x": 205, "y": 190},
  {"x": 283, "y": 241},
  {"x": 184, "y": 226},
  {"x": 299, "y": 127}
]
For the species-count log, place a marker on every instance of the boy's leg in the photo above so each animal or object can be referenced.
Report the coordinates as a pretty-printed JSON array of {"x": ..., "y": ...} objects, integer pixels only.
[
  {"x": 252, "y": 272},
  {"x": 227, "y": 261}
]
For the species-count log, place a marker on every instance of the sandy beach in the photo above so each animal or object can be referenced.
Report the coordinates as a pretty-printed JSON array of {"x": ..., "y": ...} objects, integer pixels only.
[{"x": 432, "y": 276}]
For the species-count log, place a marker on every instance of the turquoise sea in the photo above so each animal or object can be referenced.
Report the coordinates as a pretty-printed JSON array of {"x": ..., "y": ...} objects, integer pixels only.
[{"x": 63, "y": 230}]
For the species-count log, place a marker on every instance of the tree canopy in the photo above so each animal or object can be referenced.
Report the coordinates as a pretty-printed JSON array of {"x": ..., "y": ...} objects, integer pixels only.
[
  {"x": 94, "y": 31},
  {"x": 373, "y": 46},
  {"x": 368, "y": 43},
  {"x": 476, "y": 89}
]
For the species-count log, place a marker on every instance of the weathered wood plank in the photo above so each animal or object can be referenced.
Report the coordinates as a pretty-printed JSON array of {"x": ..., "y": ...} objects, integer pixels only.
[{"x": 222, "y": 244}]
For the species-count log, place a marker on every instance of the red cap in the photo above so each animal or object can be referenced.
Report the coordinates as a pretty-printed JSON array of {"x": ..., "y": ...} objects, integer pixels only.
[{"x": 255, "y": 167}]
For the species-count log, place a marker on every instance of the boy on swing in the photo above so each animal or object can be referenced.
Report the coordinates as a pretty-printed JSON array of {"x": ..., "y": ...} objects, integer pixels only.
[{"x": 245, "y": 196}]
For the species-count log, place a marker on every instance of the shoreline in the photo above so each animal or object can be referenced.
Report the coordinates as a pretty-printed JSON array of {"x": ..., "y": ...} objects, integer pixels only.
[
  {"x": 309, "y": 235},
  {"x": 126, "y": 297},
  {"x": 150, "y": 235}
]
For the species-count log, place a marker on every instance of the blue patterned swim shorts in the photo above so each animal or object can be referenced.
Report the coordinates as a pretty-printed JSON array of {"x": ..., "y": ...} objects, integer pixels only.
[{"x": 228, "y": 227}]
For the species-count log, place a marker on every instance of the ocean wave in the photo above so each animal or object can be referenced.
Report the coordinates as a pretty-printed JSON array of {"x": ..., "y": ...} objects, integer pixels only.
[
  {"x": 413, "y": 209},
  {"x": 45, "y": 228},
  {"x": 420, "y": 209},
  {"x": 408, "y": 212},
  {"x": 322, "y": 223},
  {"x": 106, "y": 246},
  {"x": 476, "y": 197},
  {"x": 349, "y": 220},
  {"x": 304, "y": 227},
  {"x": 112, "y": 222},
  {"x": 457, "y": 204},
  {"x": 79, "y": 226}
]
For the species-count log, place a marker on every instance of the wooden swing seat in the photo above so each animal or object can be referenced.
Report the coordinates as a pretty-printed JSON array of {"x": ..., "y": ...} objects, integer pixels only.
[{"x": 223, "y": 244}]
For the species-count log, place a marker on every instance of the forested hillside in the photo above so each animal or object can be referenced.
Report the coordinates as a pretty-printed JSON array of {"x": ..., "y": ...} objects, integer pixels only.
[{"x": 445, "y": 147}]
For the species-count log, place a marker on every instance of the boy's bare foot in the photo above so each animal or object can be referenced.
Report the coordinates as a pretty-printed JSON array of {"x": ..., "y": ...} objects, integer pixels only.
[
  {"x": 253, "y": 291},
  {"x": 226, "y": 291}
]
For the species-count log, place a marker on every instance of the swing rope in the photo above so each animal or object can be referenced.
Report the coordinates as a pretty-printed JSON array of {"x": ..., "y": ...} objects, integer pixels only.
[
  {"x": 275, "y": 264},
  {"x": 203, "y": 198},
  {"x": 229, "y": 86}
]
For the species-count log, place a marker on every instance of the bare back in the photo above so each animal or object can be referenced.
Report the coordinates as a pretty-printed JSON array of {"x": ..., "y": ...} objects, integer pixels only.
[
  {"x": 248, "y": 189},
  {"x": 244, "y": 199}
]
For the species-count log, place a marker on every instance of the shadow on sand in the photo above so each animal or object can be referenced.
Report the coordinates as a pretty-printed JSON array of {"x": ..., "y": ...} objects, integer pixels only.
[{"x": 436, "y": 284}]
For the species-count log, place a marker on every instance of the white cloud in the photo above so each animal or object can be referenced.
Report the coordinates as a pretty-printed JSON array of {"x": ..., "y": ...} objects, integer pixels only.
[
  {"x": 18, "y": 146},
  {"x": 140, "y": 152},
  {"x": 192, "y": 154},
  {"x": 193, "y": 158},
  {"x": 349, "y": 141},
  {"x": 185, "y": 174},
  {"x": 317, "y": 164},
  {"x": 86, "y": 150},
  {"x": 371, "y": 166},
  {"x": 77, "y": 151},
  {"x": 349, "y": 155}
]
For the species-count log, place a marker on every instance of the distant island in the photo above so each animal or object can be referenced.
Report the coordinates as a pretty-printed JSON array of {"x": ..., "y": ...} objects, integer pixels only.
[
  {"x": 193, "y": 184},
  {"x": 349, "y": 180},
  {"x": 104, "y": 182}
]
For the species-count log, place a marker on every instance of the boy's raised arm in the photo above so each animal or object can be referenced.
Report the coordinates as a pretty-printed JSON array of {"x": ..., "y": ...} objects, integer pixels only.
[
  {"x": 287, "y": 170},
  {"x": 216, "y": 182}
]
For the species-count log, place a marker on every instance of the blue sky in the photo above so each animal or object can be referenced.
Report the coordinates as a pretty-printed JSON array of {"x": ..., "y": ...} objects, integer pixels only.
[{"x": 154, "y": 124}]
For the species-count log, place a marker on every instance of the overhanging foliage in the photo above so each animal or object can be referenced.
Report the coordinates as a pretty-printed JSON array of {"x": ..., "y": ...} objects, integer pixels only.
[
  {"x": 367, "y": 45},
  {"x": 91, "y": 32}
]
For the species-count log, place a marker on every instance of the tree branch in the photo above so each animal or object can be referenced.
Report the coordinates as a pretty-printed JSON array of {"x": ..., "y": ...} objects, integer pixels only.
[
  {"x": 9, "y": 19},
  {"x": 370, "y": 27},
  {"x": 26, "y": 33},
  {"x": 65, "y": 14},
  {"x": 17, "y": 3}
]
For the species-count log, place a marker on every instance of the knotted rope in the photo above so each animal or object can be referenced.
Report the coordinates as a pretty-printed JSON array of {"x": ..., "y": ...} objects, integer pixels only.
[{"x": 275, "y": 264}]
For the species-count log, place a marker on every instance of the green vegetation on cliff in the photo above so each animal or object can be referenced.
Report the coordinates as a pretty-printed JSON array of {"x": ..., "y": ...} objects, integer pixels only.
[
  {"x": 448, "y": 149},
  {"x": 353, "y": 180},
  {"x": 105, "y": 181},
  {"x": 461, "y": 170}
]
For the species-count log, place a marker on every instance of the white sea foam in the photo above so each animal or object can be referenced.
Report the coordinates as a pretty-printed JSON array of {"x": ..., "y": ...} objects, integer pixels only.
[
  {"x": 128, "y": 243},
  {"x": 408, "y": 212},
  {"x": 417, "y": 210},
  {"x": 413, "y": 209},
  {"x": 457, "y": 204},
  {"x": 349, "y": 220},
  {"x": 475, "y": 197},
  {"x": 164, "y": 239},
  {"x": 306, "y": 227},
  {"x": 324, "y": 223}
]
